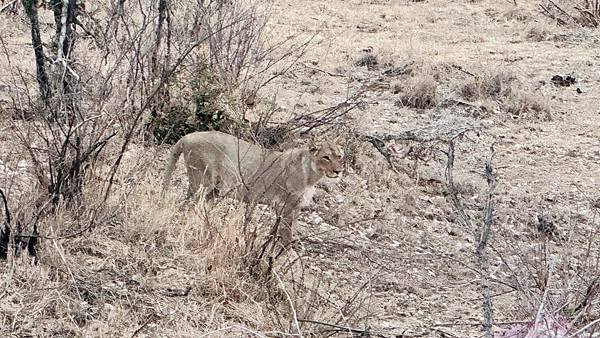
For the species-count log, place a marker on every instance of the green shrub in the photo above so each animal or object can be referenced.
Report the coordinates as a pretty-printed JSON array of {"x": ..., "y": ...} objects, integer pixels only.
[{"x": 206, "y": 113}]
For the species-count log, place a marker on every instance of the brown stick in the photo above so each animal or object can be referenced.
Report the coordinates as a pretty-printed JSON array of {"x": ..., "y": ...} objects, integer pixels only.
[{"x": 482, "y": 231}]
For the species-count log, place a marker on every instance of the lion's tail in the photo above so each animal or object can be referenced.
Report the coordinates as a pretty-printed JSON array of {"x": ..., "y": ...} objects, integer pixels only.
[{"x": 173, "y": 157}]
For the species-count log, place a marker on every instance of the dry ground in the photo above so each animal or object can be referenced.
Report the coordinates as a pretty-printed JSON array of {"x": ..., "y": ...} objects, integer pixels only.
[{"x": 380, "y": 250}]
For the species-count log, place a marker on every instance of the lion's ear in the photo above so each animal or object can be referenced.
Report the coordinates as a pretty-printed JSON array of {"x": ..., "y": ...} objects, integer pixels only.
[
  {"x": 339, "y": 141},
  {"x": 313, "y": 145}
]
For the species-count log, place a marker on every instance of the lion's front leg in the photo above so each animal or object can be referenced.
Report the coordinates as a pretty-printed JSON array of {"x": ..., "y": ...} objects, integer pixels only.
[{"x": 289, "y": 218}]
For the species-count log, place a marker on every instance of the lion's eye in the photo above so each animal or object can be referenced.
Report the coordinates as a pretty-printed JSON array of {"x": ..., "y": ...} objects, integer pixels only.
[{"x": 326, "y": 158}]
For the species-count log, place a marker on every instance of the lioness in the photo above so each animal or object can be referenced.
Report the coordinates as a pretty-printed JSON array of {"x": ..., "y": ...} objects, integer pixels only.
[{"x": 223, "y": 163}]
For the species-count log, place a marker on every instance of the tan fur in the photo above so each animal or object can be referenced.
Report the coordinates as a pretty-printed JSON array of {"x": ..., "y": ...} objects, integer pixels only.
[{"x": 224, "y": 164}]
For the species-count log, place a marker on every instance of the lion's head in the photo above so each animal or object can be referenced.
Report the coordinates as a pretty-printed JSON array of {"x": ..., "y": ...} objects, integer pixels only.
[{"x": 330, "y": 158}]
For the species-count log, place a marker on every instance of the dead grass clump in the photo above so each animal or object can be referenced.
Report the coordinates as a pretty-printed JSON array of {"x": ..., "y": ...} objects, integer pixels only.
[
  {"x": 418, "y": 92},
  {"x": 368, "y": 60},
  {"x": 504, "y": 90},
  {"x": 522, "y": 104},
  {"x": 489, "y": 86},
  {"x": 538, "y": 33},
  {"x": 518, "y": 14},
  {"x": 418, "y": 82}
]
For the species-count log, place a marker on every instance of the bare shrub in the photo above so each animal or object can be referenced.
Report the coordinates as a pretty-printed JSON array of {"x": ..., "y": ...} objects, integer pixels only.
[
  {"x": 92, "y": 102},
  {"x": 238, "y": 50},
  {"x": 233, "y": 65},
  {"x": 202, "y": 106},
  {"x": 555, "y": 293},
  {"x": 584, "y": 13}
]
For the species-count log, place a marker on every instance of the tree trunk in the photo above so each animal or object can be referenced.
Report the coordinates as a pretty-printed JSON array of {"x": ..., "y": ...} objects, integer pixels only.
[
  {"x": 56, "y": 6},
  {"x": 38, "y": 49}
]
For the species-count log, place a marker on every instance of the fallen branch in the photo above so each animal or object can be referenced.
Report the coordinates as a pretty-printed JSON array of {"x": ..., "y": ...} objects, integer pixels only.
[
  {"x": 460, "y": 69},
  {"x": 428, "y": 139},
  {"x": 323, "y": 71},
  {"x": 340, "y": 328},
  {"x": 583, "y": 329},
  {"x": 291, "y": 304},
  {"x": 327, "y": 116},
  {"x": 151, "y": 318}
]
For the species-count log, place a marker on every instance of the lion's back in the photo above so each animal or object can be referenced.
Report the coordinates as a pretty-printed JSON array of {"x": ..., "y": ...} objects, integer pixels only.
[{"x": 269, "y": 174}]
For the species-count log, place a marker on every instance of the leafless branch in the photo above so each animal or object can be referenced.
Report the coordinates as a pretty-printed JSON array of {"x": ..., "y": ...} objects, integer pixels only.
[{"x": 481, "y": 231}]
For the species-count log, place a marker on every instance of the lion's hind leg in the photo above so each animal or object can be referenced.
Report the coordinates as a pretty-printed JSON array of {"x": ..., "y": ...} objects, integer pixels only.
[
  {"x": 195, "y": 181},
  {"x": 207, "y": 180}
]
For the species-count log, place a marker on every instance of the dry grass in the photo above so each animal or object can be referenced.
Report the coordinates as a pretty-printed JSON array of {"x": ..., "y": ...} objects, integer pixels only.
[
  {"x": 538, "y": 33},
  {"x": 491, "y": 85},
  {"x": 504, "y": 89},
  {"x": 518, "y": 14},
  {"x": 162, "y": 267},
  {"x": 367, "y": 60},
  {"x": 523, "y": 105},
  {"x": 418, "y": 85},
  {"x": 418, "y": 92}
]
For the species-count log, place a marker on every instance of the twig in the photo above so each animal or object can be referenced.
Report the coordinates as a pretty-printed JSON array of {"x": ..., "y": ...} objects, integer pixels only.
[
  {"x": 5, "y": 229},
  {"x": 367, "y": 333},
  {"x": 359, "y": 332},
  {"x": 151, "y": 318},
  {"x": 584, "y": 328},
  {"x": 62, "y": 257},
  {"x": 540, "y": 314},
  {"x": 380, "y": 146},
  {"x": 324, "y": 71},
  {"x": 294, "y": 314},
  {"x": 10, "y": 3},
  {"x": 562, "y": 10},
  {"x": 488, "y": 220},
  {"x": 6, "y": 210},
  {"x": 325, "y": 116},
  {"x": 482, "y": 232},
  {"x": 460, "y": 68},
  {"x": 480, "y": 324}
]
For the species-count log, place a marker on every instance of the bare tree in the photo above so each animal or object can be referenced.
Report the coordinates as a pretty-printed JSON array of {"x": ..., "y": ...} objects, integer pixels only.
[{"x": 31, "y": 7}]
